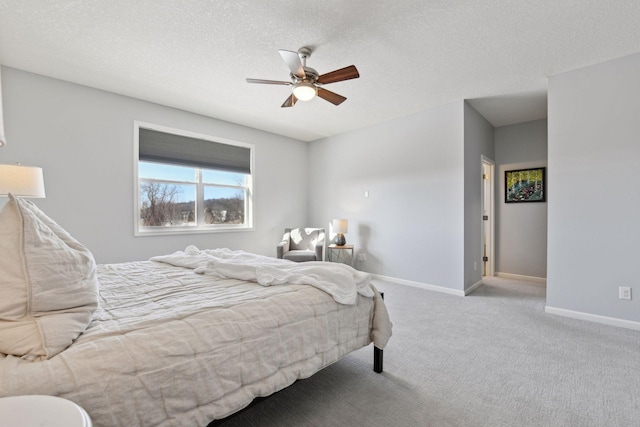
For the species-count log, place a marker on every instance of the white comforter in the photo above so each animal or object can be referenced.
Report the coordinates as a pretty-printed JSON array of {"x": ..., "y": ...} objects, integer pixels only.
[
  {"x": 169, "y": 347},
  {"x": 340, "y": 281}
]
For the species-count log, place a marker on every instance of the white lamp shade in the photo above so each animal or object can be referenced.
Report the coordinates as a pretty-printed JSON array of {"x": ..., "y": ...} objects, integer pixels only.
[
  {"x": 23, "y": 181},
  {"x": 340, "y": 225}
]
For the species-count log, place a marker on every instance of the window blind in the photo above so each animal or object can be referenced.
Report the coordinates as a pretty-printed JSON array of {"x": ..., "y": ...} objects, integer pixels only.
[{"x": 156, "y": 146}]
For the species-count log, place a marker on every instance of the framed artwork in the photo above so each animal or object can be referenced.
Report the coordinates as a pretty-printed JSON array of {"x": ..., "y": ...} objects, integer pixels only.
[{"x": 524, "y": 185}]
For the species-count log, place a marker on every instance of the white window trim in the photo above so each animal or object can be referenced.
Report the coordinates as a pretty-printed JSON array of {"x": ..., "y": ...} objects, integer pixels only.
[{"x": 198, "y": 229}]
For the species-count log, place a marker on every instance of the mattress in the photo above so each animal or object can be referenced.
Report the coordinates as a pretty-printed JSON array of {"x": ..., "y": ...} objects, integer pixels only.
[{"x": 169, "y": 347}]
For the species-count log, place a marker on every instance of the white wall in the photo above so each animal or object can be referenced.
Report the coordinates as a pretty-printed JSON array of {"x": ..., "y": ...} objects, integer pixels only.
[
  {"x": 411, "y": 225},
  {"x": 478, "y": 142},
  {"x": 521, "y": 228},
  {"x": 83, "y": 140},
  {"x": 594, "y": 195}
]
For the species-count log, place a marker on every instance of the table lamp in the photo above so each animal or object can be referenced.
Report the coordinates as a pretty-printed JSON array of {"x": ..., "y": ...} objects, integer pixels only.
[{"x": 340, "y": 226}]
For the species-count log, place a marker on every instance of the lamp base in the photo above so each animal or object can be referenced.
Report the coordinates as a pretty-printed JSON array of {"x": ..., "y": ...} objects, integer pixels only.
[{"x": 340, "y": 240}]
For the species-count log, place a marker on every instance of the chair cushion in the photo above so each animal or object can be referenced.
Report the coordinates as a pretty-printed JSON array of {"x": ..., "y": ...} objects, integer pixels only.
[
  {"x": 300, "y": 256},
  {"x": 303, "y": 239}
]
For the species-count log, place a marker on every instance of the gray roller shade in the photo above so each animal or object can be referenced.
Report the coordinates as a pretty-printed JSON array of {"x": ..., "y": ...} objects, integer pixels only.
[{"x": 162, "y": 147}]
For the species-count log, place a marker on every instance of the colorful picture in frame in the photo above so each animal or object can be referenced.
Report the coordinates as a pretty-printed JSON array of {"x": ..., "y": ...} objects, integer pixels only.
[{"x": 524, "y": 185}]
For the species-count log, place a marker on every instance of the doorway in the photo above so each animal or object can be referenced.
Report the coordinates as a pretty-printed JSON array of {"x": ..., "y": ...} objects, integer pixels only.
[{"x": 488, "y": 220}]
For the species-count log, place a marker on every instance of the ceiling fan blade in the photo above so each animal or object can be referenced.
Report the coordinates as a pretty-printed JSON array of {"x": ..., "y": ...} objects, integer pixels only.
[
  {"x": 268, "y": 82},
  {"x": 346, "y": 73},
  {"x": 332, "y": 97},
  {"x": 293, "y": 62},
  {"x": 290, "y": 101}
]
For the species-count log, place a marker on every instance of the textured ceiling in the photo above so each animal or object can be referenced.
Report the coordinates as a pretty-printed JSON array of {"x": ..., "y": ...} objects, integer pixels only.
[{"x": 412, "y": 54}]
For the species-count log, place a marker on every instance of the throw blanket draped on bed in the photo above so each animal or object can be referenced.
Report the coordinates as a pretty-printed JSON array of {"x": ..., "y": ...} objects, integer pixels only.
[{"x": 340, "y": 281}]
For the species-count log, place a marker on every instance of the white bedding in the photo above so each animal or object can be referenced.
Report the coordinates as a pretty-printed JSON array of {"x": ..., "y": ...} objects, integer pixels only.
[
  {"x": 169, "y": 347},
  {"x": 340, "y": 281}
]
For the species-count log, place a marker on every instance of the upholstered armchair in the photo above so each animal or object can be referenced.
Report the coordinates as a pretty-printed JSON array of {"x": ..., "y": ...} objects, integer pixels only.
[{"x": 302, "y": 244}]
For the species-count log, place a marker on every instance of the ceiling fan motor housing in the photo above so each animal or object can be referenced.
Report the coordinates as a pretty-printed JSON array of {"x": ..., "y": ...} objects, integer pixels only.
[{"x": 311, "y": 76}]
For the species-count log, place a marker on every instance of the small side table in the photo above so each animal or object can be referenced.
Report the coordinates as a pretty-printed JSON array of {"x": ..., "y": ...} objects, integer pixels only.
[
  {"x": 39, "y": 410},
  {"x": 343, "y": 254}
]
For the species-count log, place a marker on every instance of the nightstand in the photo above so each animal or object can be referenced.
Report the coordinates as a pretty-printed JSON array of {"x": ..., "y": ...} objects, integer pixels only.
[
  {"x": 38, "y": 410},
  {"x": 342, "y": 254}
]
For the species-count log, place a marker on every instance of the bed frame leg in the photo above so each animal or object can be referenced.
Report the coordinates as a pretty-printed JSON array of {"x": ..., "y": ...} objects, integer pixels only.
[
  {"x": 378, "y": 353},
  {"x": 377, "y": 359}
]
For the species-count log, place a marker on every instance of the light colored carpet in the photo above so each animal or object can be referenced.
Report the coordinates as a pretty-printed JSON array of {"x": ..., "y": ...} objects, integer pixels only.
[{"x": 493, "y": 358}]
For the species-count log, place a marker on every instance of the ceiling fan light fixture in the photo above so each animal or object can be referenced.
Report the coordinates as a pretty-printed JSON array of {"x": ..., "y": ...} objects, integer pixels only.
[{"x": 304, "y": 91}]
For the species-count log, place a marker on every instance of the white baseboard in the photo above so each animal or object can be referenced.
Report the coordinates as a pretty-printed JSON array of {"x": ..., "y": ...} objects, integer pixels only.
[
  {"x": 420, "y": 285},
  {"x": 533, "y": 279},
  {"x": 472, "y": 287},
  {"x": 611, "y": 321}
]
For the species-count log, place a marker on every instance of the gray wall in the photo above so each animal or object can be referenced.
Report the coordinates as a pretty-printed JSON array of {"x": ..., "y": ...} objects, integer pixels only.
[
  {"x": 521, "y": 228},
  {"x": 594, "y": 197},
  {"x": 478, "y": 141},
  {"x": 414, "y": 224},
  {"x": 83, "y": 140},
  {"x": 411, "y": 226}
]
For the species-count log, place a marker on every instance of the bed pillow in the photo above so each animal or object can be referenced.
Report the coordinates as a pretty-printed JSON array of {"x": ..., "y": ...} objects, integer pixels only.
[{"x": 48, "y": 283}]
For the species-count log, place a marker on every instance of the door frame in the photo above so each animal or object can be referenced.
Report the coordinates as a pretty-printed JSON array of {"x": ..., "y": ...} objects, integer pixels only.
[{"x": 488, "y": 208}]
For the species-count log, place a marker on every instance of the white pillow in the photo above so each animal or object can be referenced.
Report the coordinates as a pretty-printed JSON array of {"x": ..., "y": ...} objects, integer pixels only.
[{"x": 48, "y": 283}]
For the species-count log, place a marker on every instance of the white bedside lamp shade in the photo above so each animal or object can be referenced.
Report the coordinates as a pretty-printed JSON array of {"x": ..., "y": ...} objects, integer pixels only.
[
  {"x": 23, "y": 181},
  {"x": 340, "y": 226}
]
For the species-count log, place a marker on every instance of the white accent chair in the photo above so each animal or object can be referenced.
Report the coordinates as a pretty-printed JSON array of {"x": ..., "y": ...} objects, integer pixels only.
[{"x": 302, "y": 244}]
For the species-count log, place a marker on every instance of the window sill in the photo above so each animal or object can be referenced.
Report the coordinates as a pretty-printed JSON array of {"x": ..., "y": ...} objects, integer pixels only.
[{"x": 173, "y": 231}]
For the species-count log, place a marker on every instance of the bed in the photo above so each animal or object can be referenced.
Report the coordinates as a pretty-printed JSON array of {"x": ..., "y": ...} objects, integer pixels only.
[{"x": 182, "y": 339}]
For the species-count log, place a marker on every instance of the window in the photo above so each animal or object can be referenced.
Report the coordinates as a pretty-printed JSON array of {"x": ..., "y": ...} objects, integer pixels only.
[{"x": 188, "y": 183}]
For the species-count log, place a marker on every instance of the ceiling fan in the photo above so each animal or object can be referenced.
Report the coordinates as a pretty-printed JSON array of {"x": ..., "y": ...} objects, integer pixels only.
[{"x": 305, "y": 80}]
